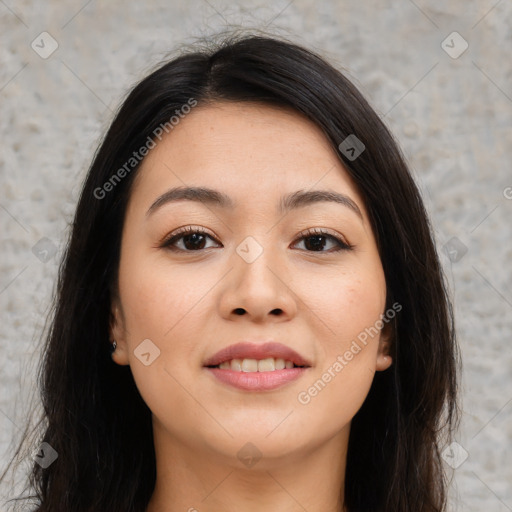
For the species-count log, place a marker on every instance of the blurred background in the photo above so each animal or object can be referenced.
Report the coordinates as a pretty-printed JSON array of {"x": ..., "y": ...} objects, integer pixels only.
[{"x": 438, "y": 73}]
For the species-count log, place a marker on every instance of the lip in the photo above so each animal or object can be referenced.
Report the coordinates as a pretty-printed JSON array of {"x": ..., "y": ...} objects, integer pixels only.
[
  {"x": 246, "y": 350},
  {"x": 257, "y": 381}
]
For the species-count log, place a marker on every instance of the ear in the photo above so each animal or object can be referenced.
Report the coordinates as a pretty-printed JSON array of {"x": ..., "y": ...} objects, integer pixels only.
[
  {"x": 117, "y": 332},
  {"x": 384, "y": 359}
]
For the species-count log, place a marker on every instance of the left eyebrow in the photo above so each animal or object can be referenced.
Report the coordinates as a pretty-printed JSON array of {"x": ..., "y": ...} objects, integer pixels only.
[
  {"x": 303, "y": 198},
  {"x": 298, "y": 199}
]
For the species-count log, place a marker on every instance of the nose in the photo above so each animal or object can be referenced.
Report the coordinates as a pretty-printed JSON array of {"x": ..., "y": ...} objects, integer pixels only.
[{"x": 258, "y": 290}]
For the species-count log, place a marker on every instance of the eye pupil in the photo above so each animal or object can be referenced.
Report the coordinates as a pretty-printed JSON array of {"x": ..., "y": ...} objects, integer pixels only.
[
  {"x": 317, "y": 244},
  {"x": 196, "y": 238}
]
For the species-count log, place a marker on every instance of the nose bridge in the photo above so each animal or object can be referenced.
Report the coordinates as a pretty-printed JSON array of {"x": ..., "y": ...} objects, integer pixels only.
[
  {"x": 257, "y": 285},
  {"x": 253, "y": 265}
]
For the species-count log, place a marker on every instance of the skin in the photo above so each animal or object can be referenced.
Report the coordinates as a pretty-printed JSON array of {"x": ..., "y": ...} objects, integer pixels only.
[{"x": 186, "y": 303}]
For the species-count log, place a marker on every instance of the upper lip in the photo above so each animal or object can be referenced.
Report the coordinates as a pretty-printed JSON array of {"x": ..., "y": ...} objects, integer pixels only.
[{"x": 246, "y": 350}]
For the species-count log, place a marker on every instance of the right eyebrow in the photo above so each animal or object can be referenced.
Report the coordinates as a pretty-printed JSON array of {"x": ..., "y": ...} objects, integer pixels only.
[{"x": 199, "y": 194}]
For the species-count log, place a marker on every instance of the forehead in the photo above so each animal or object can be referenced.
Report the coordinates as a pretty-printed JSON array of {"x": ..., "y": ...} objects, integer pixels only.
[{"x": 252, "y": 152}]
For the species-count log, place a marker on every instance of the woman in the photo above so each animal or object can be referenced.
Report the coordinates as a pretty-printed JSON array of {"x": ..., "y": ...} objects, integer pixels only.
[{"x": 250, "y": 313}]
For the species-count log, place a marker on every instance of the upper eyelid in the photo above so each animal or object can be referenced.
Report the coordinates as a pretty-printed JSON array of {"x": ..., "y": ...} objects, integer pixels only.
[
  {"x": 179, "y": 232},
  {"x": 321, "y": 231},
  {"x": 184, "y": 230},
  {"x": 305, "y": 233},
  {"x": 302, "y": 233}
]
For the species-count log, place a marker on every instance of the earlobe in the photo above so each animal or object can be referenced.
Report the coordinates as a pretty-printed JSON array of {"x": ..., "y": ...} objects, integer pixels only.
[{"x": 384, "y": 361}]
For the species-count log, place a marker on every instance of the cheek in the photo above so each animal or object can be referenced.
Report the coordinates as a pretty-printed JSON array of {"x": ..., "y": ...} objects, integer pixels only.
[
  {"x": 339, "y": 386},
  {"x": 160, "y": 299},
  {"x": 161, "y": 304},
  {"x": 344, "y": 302},
  {"x": 333, "y": 397},
  {"x": 349, "y": 303}
]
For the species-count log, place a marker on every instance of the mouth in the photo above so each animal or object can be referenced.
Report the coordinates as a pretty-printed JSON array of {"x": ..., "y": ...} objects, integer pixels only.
[{"x": 256, "y": 367}]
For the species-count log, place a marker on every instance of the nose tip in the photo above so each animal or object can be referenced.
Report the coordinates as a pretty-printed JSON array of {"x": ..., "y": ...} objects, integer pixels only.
[{"x": 256, "y": 290}]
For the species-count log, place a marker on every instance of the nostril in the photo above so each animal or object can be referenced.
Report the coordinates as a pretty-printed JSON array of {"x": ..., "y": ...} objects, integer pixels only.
[{"x": 239, "y": 311}]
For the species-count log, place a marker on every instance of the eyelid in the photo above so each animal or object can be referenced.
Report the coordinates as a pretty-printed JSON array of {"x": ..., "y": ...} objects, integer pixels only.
[
  {"x": 344, "y": 243},
  {"x": 165, "y": 241}
]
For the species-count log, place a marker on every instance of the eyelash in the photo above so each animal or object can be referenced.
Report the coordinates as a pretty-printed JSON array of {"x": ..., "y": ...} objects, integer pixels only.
[{"x": 174, "y": 237}]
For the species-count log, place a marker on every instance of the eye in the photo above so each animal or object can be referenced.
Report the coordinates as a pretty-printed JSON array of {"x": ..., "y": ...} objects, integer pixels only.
[
  {"x": 192, "y": 238},
  {"x": 316, "y": 239}
]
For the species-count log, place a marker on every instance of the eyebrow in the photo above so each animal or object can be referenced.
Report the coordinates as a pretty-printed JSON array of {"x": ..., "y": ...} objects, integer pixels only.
[{"x": 298, "y": 199}]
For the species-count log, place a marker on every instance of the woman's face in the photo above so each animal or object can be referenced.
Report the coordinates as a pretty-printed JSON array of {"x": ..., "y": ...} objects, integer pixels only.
[{"x": 253, "y": 274}]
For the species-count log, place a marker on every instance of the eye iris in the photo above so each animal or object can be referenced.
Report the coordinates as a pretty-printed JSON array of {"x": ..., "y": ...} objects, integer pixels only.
[
  {"x": 316, "y": 244},
  {"x": 197, "y": 241}
]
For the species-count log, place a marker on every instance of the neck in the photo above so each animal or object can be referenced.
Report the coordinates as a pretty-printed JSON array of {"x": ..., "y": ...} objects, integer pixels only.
[{"x": 202, "y": 479}]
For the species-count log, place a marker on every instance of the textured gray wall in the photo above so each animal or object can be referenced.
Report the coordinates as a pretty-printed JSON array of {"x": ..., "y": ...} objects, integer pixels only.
[{"x": 450, "y": 112}]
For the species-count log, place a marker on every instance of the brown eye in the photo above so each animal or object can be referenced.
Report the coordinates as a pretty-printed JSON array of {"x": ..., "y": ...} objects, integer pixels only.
[
  {"x": 317, "y": 240},
  {"x": 187, "y": 240}
]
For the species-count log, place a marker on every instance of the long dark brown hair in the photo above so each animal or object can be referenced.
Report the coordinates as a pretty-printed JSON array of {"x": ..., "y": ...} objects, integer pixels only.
[{"x": 93, "y": 413}]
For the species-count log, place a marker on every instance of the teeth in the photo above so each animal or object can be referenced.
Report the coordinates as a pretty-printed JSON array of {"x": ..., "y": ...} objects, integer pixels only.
[
  {"x": 249, "y": 365},
  {"x": 254, "y": 365},
  {"x": 236, "y": 365},
  {"x": 280, "y": 364},
  {"x": 267, "y": 365}
]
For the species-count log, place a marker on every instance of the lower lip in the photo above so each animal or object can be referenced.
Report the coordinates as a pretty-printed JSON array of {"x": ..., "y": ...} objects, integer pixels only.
[{"x": 257, "y": 381}]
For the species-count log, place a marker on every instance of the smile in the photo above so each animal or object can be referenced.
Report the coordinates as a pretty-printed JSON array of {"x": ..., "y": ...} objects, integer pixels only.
[
  {"x": 256, "y": 374},
  {"x": 269, "y": 364},
  {"x": 259, "y": 366}
]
